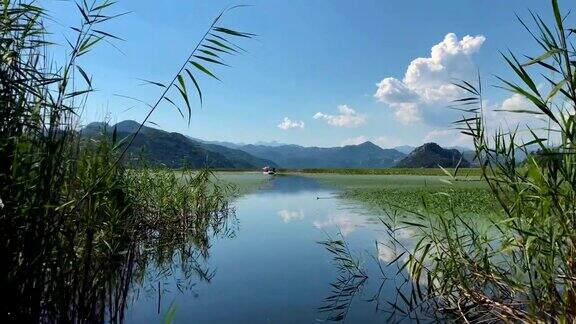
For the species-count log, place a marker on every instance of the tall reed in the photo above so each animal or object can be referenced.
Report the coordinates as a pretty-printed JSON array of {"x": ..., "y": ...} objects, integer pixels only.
[
  {"x": 76, "y": 225},
  {"x": 523, "y": 267}
]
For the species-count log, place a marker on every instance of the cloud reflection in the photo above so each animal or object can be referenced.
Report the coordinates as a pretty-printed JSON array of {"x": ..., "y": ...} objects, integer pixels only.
[
  {"x": 345, "y": 222},
  {"x": 288, "y": 216},
  {"x": 388, "y": 249}
]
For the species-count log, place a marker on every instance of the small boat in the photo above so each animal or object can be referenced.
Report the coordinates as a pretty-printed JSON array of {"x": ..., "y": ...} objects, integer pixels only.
[{"x": 268, "y": 170}]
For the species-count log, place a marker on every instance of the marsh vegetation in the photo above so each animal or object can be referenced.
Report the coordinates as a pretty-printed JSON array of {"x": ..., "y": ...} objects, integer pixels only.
[
  {"x": 78, "y": 227},
  {"x": 521, "y": 266},
  {"x": 90, "y": 232}
]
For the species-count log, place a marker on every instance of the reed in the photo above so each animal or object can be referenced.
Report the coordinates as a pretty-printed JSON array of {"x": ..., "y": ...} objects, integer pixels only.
[
  {"x": 520, "y": 268},
  {"x": 77, "y": 225}
]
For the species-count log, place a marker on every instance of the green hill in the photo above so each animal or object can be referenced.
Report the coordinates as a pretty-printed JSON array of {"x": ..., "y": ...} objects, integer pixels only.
[
  {"x": 432, "y": 155},
  {"x": 174, "y": 150}
]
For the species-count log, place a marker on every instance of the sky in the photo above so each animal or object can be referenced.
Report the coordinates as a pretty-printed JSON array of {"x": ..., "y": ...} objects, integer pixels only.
[{"x": 319, "y": 73}]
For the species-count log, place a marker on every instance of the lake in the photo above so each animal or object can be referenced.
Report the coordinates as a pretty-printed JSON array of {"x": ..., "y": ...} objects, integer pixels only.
[{"x": 270, "y": 268}]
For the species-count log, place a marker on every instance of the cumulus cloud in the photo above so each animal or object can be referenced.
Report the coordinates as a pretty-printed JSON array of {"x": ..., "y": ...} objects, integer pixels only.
[
  {"x": 355, "y": 140},
  {"x": 287, "y": 123},
  {"x": 447, "y": 138},
  {"x": 288, "y": 216},
  {"x": 427, "y": 83},
  {"x": 348, "y": 117},
  {"x": 501, "y": 116},
  {"x": 388, "y": 142},
  {"x": 516, "y": 102},
  {"x": 392, "y": 90},
  {"x": 497, "y": 116}
]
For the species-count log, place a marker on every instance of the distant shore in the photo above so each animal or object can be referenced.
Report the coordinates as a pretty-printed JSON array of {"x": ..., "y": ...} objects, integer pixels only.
[{"x": 465, "y": 172}]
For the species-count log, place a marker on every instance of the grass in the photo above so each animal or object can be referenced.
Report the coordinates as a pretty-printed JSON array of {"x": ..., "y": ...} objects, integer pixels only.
[
  {"x": 414, "y": 192},
  {"x": 409, "y": 191},
  {"x": 77, "y": 227},
  {"x": 521, "y": 268},
  {"x": 238, "y": 182},
  {"x": 466, "y": 172}
]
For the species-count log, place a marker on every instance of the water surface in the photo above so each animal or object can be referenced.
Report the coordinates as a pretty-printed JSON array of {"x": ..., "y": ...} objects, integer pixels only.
[{"x": 272, "y": 270}]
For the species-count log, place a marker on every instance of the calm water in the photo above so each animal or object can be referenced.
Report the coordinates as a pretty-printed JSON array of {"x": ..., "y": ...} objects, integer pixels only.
[{"x": 272, "y": 270}]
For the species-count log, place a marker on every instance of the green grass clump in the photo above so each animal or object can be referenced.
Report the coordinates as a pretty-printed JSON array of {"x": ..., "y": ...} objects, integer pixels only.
[
  {"x": 242, "y": 182},
  {"x": 77, "y": 228},
  {"x": 439, "y": 200},
  {"x": 415, "y": 193},
  {"x": 466, "y": 172},
  {"x": 520, "y": 268}
]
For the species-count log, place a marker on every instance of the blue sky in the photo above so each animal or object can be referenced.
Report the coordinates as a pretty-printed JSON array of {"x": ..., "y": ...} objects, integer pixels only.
[{"x": 316, "y": 63}]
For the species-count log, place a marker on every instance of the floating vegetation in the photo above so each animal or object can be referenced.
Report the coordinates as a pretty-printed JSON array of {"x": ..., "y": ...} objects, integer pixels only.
[{"x": 416, "y": 193}]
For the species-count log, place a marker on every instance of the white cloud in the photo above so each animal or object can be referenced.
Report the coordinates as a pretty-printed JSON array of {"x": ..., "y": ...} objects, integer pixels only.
[
  {"x": 288, "y": 216},
  {"x": 388, "y": 142},
  {"x": 516, "y": 102},
  {"x": 497, "y": 116},
  {"x": 355, "y": 140},
  {"x": 500, "y": 116},
  {"x": 407, "y": 113},
  {"x": 287, "y": 123},
  {"x": 348, "y": 117},
  {"x": 427, "y": 84},
  {"x": 447, "y": 138},
  {"x": 395, "y": 91}
]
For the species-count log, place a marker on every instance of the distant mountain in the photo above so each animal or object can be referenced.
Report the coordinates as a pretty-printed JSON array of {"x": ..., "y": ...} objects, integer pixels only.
[
  {"x": 431, "y": 155},
  {"x": 174, "y": 150},
  {"x": 130, "y": 126},
  {"x": 365, "y": 155},
  {"x": 406, "y": 149},
  {"x": 520, "y": 155},
  {"x": 460, "y": 148},
  {"x": 95, "y": 129},
  {"x": 221, "y": 143},
  {"x": 270, "y": 143},
  {"x": 238, "y": 145},
  {"x": 470, "y": 156}
]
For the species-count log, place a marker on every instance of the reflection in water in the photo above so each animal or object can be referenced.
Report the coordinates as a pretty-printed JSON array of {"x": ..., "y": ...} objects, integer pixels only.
[
  {"x": 391, "y": 247},
  {"x": 344, "y": 221},
  {"x": 101, "y": 287},
  {"x": 269, "y": 272},
  {"x": 288, "y": 216},
  {"x": 383, "y": 278},
  {"x": 351, "y": 278},
  {"x": 292, "y": 184}
]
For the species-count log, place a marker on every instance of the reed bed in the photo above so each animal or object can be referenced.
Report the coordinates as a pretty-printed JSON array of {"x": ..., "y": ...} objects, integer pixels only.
[
  {"x": 77, "y": 226},
  {"x": 521, "y": 267}
]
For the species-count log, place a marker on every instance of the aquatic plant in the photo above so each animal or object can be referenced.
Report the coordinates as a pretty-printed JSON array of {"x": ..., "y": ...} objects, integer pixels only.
[
  {"x": 74, "y": 221},
  {"x": 351, "y": 277},
  {"x": 522, "y": 268},
  {"x": 415, "y": 192},
  {"x": 465, "y": 172}
]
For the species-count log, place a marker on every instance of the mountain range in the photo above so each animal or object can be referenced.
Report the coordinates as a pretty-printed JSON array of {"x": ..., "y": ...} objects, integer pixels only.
[
  {"x": 175, "y": 150},
  {"x": 158, "y": 147},
  {"x": 431, "y": 155},
  {"x": 365, "y": 155}
]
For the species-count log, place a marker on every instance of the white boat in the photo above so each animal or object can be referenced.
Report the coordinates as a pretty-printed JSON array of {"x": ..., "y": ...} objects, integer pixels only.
[{"x": 268, "y": 170}]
